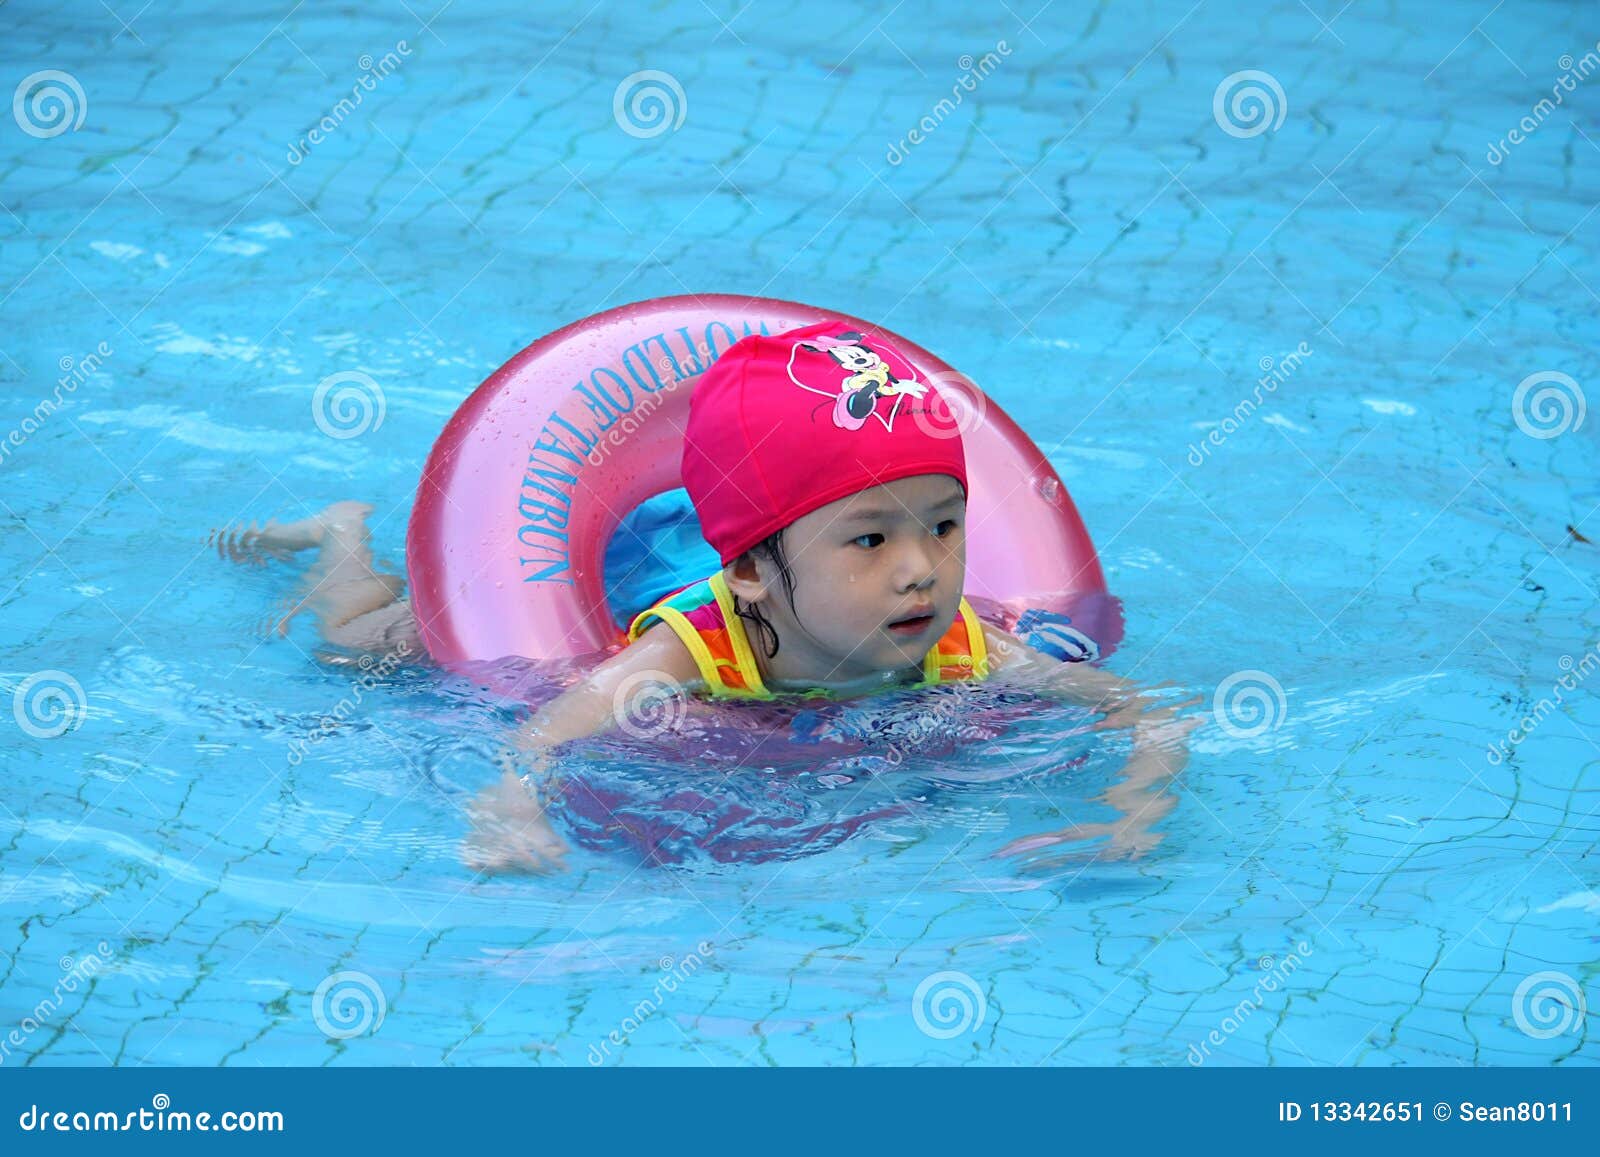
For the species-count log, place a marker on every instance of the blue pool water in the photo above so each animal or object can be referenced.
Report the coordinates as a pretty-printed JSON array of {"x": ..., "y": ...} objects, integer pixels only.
[{"x": 1355, "y": 876}]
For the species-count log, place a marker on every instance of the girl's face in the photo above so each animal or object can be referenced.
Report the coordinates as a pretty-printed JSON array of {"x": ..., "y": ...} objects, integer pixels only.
[{"x": 862, "y": 567}]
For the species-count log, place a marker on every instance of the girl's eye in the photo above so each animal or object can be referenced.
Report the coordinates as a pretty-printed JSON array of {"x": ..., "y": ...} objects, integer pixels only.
[
  {"x": 946, "y": 527},
  {"x": 868, "y": 540}
]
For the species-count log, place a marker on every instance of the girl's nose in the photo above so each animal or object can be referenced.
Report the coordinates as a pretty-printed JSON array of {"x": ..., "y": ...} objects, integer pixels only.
[{"x": 916, "y": 568}]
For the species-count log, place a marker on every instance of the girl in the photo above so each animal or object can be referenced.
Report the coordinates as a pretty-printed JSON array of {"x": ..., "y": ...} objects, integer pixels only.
[{"x": 843, "y": 550}]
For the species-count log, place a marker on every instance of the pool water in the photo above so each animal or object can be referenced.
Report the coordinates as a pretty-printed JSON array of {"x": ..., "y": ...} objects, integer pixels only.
[{"x": 1376, "y": 571}]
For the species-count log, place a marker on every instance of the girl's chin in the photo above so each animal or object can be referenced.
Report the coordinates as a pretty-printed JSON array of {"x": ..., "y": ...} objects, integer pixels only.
[{"x": 892, "y": 669}]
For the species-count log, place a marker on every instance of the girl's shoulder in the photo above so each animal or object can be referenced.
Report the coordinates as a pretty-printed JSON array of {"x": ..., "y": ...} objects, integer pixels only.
[{"x": 657, "y": 651}]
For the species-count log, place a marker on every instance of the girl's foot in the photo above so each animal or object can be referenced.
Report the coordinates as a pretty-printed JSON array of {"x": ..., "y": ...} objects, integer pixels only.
[{"x": 254, "y": 544}]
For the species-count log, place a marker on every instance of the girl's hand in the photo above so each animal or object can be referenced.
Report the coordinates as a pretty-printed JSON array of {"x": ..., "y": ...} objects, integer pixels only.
[
  {"x": 510, "y": 830},
  {"x": 1160, "y": 753}
]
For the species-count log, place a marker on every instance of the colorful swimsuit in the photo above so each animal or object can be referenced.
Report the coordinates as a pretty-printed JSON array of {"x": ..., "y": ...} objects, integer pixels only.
[{"x": 702, "y": 615}]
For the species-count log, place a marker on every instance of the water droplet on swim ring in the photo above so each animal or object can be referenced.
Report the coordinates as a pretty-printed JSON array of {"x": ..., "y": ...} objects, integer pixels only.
[{"x": 1049, "y": 489}]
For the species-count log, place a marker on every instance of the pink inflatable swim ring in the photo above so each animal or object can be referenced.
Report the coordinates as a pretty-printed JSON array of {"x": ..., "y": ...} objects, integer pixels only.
[{"x": 534, "y": 473}]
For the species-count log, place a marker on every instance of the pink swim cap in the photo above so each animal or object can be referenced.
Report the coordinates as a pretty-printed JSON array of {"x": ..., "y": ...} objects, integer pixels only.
[{"x": 782, "y": 425}]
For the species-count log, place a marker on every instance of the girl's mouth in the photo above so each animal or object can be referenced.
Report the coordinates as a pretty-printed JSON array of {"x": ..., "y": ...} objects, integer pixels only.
[{"x": 914, "y": 626}]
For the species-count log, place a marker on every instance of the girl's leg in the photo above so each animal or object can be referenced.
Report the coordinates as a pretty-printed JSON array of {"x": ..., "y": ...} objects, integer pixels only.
[{"x": 341, "y": 584}]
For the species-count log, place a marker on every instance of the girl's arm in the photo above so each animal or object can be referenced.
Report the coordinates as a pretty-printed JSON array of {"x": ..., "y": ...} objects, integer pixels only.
[
  {"x": 1123, "y": 701},
  {"x": 657, "y": 662},
  {"x": 1160, "y": 745},
  {"x": 509, "y": 828}
]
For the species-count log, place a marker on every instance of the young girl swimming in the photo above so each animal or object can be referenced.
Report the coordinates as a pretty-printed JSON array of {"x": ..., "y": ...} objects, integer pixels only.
[{"x": 840, "y": 525}]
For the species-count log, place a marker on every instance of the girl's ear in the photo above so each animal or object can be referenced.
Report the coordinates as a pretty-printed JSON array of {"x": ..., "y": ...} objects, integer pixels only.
[{"x": 745, "y": 579}]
